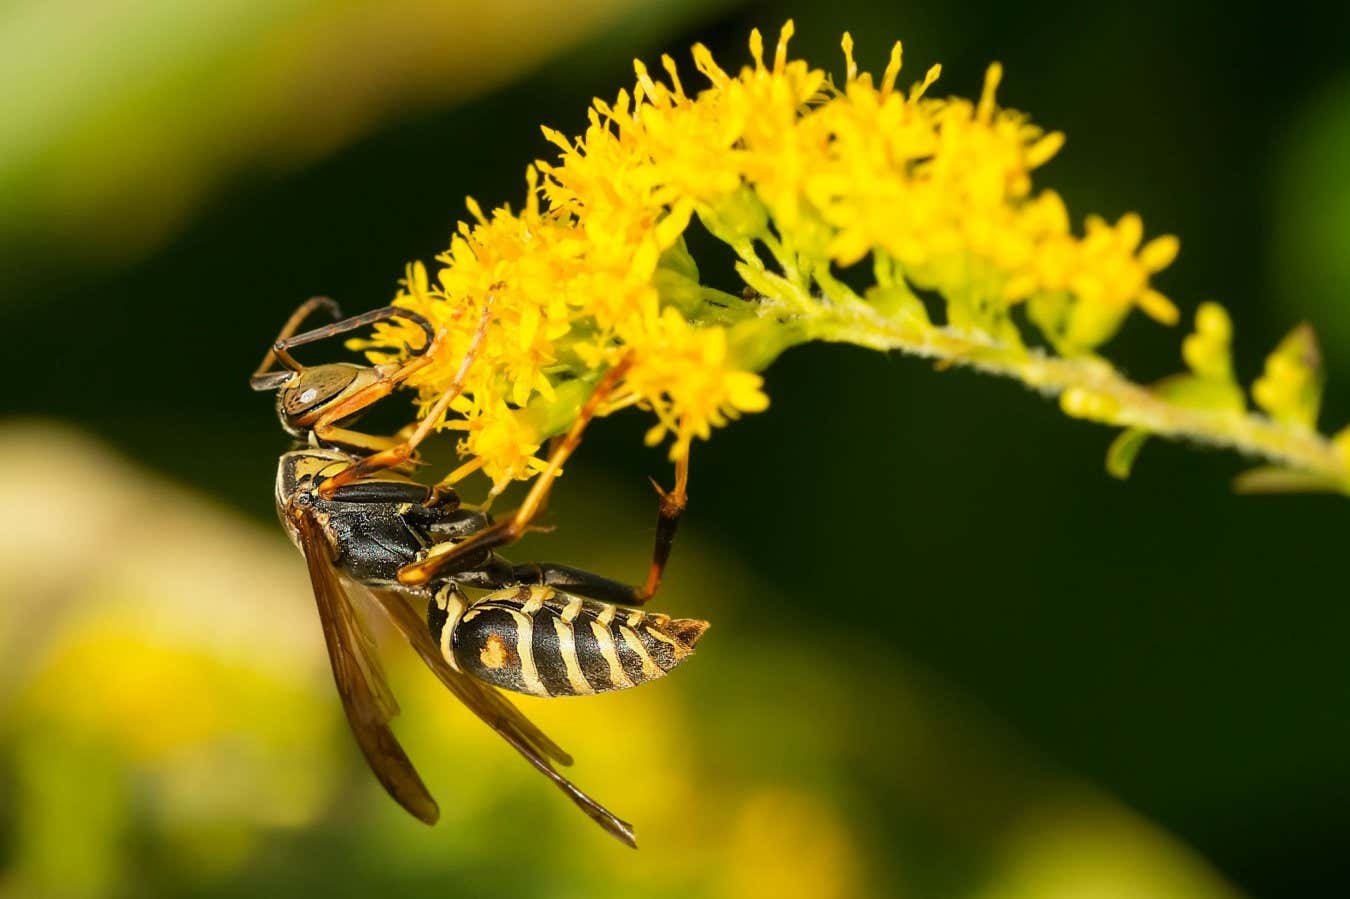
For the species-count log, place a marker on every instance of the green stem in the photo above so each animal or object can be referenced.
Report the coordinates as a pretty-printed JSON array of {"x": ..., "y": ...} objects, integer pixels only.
[{"x": 1110, "y": 397}]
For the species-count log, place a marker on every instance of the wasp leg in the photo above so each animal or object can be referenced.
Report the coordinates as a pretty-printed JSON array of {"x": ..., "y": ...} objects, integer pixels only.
[
  {"x": 595, "y": 586},
  {"x": 575, "y": 580},
  {"x": 385, "y": 493},
  {"x": 671, "y": 506},
  {"x": 358, "y": 441},
  {"x": 512, "y": 528},
  {"x": 327, "y": 427},
  {"x": 400, "y": 453}
]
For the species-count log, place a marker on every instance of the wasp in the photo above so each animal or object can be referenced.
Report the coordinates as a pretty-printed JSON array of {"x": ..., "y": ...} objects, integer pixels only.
[{"x": 543, "y": 629}]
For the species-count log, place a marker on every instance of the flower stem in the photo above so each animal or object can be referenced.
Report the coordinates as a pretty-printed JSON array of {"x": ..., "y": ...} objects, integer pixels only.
[{"x": 1090, "y": 387}]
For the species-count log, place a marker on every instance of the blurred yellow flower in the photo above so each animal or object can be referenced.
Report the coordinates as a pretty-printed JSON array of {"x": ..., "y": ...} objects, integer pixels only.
[{"x": 790, "y": 845}]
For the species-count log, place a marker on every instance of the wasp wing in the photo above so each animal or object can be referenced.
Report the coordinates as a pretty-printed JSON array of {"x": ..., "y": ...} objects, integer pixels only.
[
  {"x": 486, "y": 702},
  {"x": 497, "y": 713},
  {"x": 368, "y": 656},
  {"x": 365, "y": 697}
]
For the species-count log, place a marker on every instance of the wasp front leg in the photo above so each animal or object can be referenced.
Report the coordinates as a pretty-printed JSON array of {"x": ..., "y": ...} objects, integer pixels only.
[
  {"x": 401, "y": 452},
  {"x": 318, "y": 402}
]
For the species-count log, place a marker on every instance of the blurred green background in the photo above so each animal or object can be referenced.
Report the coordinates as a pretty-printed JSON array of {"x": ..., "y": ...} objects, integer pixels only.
[{"x": 950, "y": 656}]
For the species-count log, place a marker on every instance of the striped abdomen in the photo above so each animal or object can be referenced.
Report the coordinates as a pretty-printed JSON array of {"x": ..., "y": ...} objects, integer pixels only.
[{"x": 540, "y": 641}]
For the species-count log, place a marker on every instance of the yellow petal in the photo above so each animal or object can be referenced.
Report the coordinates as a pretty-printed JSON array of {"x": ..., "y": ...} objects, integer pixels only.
[
  {"x": 850, "y": 67},
  {"x": 475, "y": 210},
  {"x": 1159, "y": 252},
  {"x": 704, "y": 62},
  {"x": 780, "y": 53},
  {"x": 892, "y": 72},
  {"x": 934, "y": 72},
  {"x": 992, "y": 76},
  {"x": 1041, "y": 152},
  {"x": 1130, "y": 230},
  {"x": 1158, "y": 307},
  {"x": 757, "y": 48}
]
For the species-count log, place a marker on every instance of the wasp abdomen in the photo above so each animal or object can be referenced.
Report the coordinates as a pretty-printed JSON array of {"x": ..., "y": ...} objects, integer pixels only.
[{"x": 540, "y": 641}]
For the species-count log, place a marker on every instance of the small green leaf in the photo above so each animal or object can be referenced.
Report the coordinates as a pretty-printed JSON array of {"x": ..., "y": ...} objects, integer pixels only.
[{"x": 1124, "y": 450}]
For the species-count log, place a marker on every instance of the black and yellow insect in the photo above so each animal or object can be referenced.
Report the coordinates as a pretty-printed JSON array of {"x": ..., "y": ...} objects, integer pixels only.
[{"x": 547, "y": 630}]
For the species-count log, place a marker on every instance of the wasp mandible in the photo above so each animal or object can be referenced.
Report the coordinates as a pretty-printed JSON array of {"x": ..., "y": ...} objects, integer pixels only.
[{"x": 544, "y": 629}]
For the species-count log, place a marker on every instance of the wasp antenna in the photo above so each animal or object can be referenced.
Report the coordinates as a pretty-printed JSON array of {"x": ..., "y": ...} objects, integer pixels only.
[{"x": 278, "y": 348}]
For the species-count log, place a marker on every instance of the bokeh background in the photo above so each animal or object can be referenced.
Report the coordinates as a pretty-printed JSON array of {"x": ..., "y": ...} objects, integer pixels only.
[{"x": 950, "y": 656}]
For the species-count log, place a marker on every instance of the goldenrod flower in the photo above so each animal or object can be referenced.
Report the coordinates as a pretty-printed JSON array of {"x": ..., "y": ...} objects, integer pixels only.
[
  {"x": 686, "y": 380},
  {"x": 499, "y": 442},
  {"x": 802, "y": 175}
]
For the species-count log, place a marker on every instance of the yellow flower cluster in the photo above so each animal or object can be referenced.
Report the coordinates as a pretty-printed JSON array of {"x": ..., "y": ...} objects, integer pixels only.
[{"x": 592, "y": 272}]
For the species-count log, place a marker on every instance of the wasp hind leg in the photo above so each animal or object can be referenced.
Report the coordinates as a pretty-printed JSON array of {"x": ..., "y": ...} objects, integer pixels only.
[
  {"x": 593, "y": 586},
  {"x": 669, "y": 509},
  {"x": 596, "y": 586},
  {"x": 575, "y": 581}
]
